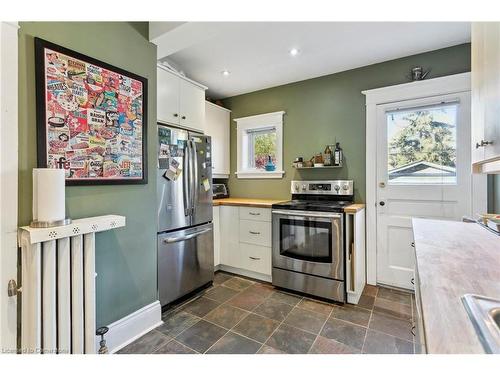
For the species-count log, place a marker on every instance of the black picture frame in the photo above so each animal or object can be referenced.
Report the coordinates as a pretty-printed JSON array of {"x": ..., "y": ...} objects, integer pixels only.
[{"x": 41, "y": 119}]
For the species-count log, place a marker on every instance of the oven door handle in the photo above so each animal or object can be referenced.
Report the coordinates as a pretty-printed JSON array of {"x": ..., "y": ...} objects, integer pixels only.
[{"x": 307, "y": 214}]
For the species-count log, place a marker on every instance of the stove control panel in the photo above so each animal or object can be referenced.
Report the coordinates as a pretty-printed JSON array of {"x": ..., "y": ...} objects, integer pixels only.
[{"x": 327, "y": 187}]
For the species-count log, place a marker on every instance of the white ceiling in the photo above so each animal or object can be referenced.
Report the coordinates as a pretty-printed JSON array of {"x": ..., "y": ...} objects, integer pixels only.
[{"x": 257, "y": 53}]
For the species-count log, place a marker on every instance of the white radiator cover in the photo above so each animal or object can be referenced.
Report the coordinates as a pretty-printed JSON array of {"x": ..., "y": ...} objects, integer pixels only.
[{"x": 58, "y": 285}]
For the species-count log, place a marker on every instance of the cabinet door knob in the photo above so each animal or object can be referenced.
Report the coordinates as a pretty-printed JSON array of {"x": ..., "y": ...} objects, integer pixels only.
[
  {"x": 254, "y": 258},
  {"x": 251, "y": 232},
  {"x": 183, "y": 117},
  {"x": 176, "y": 115},
  {"x": 382, "y": 203}
]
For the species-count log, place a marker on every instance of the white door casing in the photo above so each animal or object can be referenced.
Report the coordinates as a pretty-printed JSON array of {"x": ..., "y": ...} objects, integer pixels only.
[
  {"x": 8, "y": 182},
  {"x": 454, "y": 85}
]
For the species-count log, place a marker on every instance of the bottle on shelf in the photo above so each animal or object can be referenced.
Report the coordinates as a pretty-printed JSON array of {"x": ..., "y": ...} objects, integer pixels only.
[
  {"x": 327, "y": 156},
  {"x": 338, "y": 155}
]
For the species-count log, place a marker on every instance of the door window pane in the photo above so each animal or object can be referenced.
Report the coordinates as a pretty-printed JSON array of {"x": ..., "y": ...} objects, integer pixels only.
[{"x": 422, "y": 145}]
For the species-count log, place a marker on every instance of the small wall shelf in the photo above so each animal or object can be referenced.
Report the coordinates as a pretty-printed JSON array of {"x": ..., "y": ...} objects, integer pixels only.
[{"x": 324, "y": 167}]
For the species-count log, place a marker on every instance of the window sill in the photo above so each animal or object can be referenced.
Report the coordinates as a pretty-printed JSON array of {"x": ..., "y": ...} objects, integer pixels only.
[{"x": 258, "y": 174}]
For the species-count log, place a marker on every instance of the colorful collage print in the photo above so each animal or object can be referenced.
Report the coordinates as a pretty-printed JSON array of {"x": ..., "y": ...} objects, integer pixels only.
[{"x": 93, "y": 120}]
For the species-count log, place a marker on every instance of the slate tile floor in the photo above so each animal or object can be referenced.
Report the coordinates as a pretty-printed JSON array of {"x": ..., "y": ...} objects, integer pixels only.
[{"x": 241, "y": 316}]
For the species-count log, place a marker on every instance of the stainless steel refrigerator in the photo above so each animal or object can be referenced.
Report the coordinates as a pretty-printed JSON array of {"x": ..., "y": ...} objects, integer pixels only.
[{"x": 184, "y": 198}]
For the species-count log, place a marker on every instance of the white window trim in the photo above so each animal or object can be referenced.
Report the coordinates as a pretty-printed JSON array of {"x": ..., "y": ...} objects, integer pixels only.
[
  {"x": 452, "y": 84},
  {"x": 266, "y": 120}
]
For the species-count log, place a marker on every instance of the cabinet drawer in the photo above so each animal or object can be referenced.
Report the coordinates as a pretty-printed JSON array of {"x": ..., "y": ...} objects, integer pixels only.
[
  {"x": 255, "y": 213},
  {"x": 255, "y": 232},
  {"x": 256, "y": 258}
]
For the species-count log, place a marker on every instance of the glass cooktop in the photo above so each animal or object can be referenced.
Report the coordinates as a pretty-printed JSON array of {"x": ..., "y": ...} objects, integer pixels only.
[{"x": 312, "y": 205}]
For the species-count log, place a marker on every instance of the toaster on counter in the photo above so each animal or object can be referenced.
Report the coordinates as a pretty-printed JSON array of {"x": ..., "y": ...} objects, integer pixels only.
[{"x": 219, "y": 191}]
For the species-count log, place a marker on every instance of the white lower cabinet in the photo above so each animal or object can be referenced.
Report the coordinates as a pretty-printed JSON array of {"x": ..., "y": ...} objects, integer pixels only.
[
  {"x": 255, "y": 232},
  {"x": 244, "y": 245},
  {"x": 255, "y": 213},
  {"x": 355, "y": 255},
  {"x": 256, "y": 258},
  {"x": 216, "y": 223}
]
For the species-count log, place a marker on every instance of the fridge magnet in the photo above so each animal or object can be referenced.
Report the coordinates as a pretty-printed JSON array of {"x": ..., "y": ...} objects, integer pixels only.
[
  {"x": 164, "y": 151},
  {"x": 173, "y": 172},
  {"x": 206, "y": 184},
  {"x": 163, "y": 163},
  {"x": 173, "y": 150},
  {"x": 91, "y": 118},
  {"x": 180, "y": 152},
  {"x": 164, "y": 136}
]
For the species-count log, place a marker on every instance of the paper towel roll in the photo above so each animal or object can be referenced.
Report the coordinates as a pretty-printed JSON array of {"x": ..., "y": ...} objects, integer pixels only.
[{"x": 48, "y": 194}]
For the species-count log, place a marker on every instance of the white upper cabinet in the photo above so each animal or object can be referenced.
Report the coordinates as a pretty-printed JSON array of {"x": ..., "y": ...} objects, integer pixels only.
[
  {"x": 217, "y": 125},
  {"x": 486, "y": 97},
  {"x": 192, "y": 105},
  {"x": 168, "y": 98},
  {"x": 180, "y": 101}
]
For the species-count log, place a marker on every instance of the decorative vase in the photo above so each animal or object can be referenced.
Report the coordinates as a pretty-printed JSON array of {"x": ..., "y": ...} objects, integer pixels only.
[{"x": 270, "y": 165}]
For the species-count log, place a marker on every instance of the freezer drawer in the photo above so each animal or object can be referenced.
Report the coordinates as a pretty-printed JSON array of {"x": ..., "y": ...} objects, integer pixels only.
[{"x": 185, "y": 261}]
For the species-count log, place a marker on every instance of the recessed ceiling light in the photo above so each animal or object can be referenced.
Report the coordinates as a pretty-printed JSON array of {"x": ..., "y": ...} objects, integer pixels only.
[
  {"x": 294, "y": 52},
  {"x": 225, "y": 73}
]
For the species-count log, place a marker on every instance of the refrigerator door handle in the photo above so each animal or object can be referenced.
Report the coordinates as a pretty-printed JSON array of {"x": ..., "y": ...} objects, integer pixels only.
[
  {"x": 187, "y": 237},
  {"x": 195, "y": 173},
  {"x": 186, "y": 182}
]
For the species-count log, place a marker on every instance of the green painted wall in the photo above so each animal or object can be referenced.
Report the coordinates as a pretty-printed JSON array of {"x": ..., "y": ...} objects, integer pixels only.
[
  {"x": 323, "y": 109},
  {"x": 126, "y": 258}
]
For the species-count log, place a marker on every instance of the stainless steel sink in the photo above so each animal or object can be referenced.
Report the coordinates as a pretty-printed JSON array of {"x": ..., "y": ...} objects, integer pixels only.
[{"x": 484, "y": 312}]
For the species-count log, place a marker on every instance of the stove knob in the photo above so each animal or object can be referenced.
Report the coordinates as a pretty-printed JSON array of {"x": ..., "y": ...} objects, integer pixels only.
[
  {"x": 304, "y": 187},
  {"x": 337, "y": 187},
  {"x": 345, "y": 187},
  {"x": 296, "y": 187}
]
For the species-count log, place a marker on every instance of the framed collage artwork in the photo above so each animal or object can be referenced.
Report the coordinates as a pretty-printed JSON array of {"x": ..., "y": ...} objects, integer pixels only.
[{"x": 91, "y": 118}]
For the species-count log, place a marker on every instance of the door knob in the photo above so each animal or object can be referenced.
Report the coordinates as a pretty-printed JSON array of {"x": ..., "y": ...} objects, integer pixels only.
[
  {"x": 483, "y": 143},
  {"x": 382, "y": 203},
  {"x": 12, "y": 288}
]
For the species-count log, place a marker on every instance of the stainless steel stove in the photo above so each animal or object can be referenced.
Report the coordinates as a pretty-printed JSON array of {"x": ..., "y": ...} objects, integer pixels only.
[{"x": 308, "y": 238}]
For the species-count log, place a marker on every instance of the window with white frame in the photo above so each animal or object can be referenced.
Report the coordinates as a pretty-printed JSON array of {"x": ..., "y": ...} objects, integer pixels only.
[{"x": 260, "y": 146}]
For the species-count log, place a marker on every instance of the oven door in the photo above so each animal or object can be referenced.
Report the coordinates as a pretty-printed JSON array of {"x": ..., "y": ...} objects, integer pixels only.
[{"x": 309, "y": 242}]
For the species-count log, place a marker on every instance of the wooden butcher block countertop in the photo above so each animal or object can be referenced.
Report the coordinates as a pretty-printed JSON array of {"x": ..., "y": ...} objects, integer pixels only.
[
  {"x": 248, "y": 202},
  {"x": 453, "y": 259},
  {"x": 267, "y": 203},
  {"x": 353, "y": 208}
]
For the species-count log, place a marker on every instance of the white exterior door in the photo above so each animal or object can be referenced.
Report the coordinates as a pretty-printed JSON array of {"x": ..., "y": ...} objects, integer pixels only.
[{"x": 423, "y": 170}]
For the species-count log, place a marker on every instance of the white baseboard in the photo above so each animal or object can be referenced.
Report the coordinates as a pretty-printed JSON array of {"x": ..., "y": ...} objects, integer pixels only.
[
  {"x": 127, "y": 329},
  {"x": 241, "y": 271}
]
